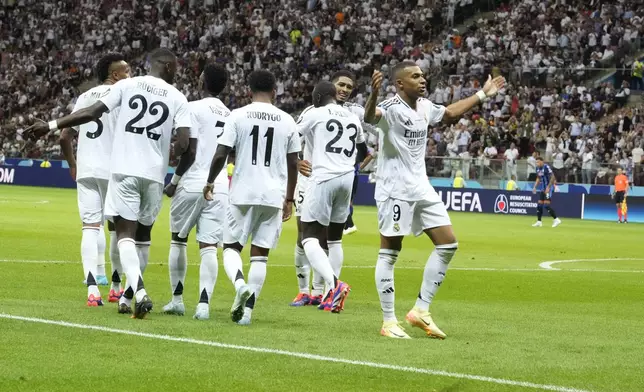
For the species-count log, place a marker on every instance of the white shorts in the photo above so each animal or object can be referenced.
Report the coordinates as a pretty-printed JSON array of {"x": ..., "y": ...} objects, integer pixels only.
[
  {"x": 328, "y": 202},
  {"x": 402, "y": 217},
  {"x": 190, "y": 209},
  {"x": 300, "y": 194},
  {"x": 261, "y": 224},
  {"x": 133, "y": 198},
  {"x": 91, "y": 199}
]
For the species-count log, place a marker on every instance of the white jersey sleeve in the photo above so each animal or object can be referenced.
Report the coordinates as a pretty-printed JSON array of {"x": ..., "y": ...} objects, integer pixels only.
[
  {"x": 433, "y": 113},
  {"x": 263, "y": 136},
  {"x": 95, "y": 138},
  {"x": 208, "y": 117},
  {"x": 149, "y": 110}
]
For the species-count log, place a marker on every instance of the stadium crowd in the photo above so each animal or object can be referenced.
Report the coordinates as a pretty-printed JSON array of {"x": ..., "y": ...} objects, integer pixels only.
[{"x": 547, "y": 57}]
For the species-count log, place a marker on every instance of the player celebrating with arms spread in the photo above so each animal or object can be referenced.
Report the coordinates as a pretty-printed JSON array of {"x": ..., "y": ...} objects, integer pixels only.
[
  {"x": 92, "y": 174},
  {"x": 406, "y": 201},
  {"x": 545, "y": 184}
]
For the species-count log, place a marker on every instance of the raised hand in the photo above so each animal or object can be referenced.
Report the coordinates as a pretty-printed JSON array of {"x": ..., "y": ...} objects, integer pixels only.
[
  {"x": 376, "y": 81},
  {"x": 492, "y": 86}
]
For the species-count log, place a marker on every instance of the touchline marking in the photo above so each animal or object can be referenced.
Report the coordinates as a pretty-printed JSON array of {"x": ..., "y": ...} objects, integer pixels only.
[
  {"x": 401, "y": 267},
  {"x": 313, "y": 357},
  {"x": 548, "y": 265}
]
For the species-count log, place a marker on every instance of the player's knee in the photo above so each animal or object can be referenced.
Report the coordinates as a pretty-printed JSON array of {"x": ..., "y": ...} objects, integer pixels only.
[
  {"x": 389, "y": 256},
  {"x": 143, "y": 233},
  {"x": 235, "y": 246},
  {"x": 204, "y": 245},
  {"x": 446, "y": 252},
  {"x": 110, "y": 226},
  {"x": 175, "y": 237}
]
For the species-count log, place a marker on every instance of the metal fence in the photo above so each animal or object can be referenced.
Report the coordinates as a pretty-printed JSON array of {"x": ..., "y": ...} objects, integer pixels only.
[{"x": 491, "y": 172}]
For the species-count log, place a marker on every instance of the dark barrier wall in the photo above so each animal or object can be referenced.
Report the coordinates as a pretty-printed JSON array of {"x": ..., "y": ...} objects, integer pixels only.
[
  {"x": 492, "y": 201},
  {"x": 603, "y": 208},
  {"x": 36, "y": 176}
]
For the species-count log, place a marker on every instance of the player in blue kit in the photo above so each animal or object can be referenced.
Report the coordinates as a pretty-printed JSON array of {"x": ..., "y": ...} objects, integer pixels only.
[{"x": 545, "y": 184}]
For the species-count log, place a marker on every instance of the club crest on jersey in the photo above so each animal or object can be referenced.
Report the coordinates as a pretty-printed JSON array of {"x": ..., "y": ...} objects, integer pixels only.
[
  {"x": 501, "y": 205},
  {"x": 396, "y": 227}
]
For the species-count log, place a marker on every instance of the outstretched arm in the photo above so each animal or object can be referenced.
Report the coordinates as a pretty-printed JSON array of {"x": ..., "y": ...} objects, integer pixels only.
[
  {"x": 77, "y": 118},
  {"x": 454, "y": 111}
]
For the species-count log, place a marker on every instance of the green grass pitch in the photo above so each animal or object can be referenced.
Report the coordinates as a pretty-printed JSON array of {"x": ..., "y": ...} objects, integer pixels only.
[{"x": 508, "y": 320}]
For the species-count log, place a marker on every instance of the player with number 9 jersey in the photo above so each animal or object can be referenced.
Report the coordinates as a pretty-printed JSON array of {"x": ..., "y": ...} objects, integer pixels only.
[{"x": 150, "y": 109}]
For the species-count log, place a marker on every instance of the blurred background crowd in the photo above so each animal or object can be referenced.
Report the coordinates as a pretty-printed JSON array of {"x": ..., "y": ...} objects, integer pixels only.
[{"x": 574, "y": 76}]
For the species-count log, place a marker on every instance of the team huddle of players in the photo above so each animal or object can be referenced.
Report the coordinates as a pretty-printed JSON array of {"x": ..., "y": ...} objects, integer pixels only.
[{"x": 124, "y": 129}]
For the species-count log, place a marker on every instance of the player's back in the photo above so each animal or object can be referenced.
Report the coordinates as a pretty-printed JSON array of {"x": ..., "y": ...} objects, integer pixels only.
[
  {"x": 401, "y": 162},
  {"x": 150, "y": 109},
  {"x": 335, "y": 133},
  {"x": 95, "y": 138},
  {"x": 209, "y": 116},
  {"x": 262, "y": 135}
]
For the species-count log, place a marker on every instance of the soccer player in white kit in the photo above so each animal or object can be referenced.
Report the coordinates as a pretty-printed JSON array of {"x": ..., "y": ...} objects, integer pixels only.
[
  {"x": 150, "y": 109},
  {"x": 91, "y": 174},
  {"x": 262, "y": 188},
  {"x": 406, "y": 201},
  {"x": 344, "y": 82},
  {"x": 334, "y": 133},
  {"x": 188, "y": 208}
]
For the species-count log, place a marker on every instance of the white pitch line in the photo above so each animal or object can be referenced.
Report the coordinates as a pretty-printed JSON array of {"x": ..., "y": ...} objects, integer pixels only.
[
  {"x": 313, "y": 357},
  {"x": 548, "y": 265},
  {"x": 370, "y": 267}
]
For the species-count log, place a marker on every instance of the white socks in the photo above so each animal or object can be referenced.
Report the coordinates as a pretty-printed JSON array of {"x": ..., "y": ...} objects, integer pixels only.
[
  {"x": 100, "y": 265},
  {"x": 434, "y": 274},
  {"x": 336, "y": 256},
  {"x": 385, "y": 282},
  {"x": 256, "y": 278},
  {"x": 143, "y": 251},
  {"x": 115, "y": 259},
  {"x": 89, "y": 257},
  {"x": 131, "y": 266},
  {"x": 177, "y": 265},
  {"x": 233, "y": 267},
  {"x": 319, "y": 261},
  {"x": 302, "y": 270},
  {"x": 207, "y": 273}
]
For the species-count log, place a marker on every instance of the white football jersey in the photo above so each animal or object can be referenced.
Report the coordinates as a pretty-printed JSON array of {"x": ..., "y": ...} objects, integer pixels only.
[
  {"x": 401, "y": 161},
  {"x": 95, "y": 138},
  {"x": 209, "y": 116},
  {"x": 262, "y": 136},
  {"x": 334, "y": 132},
  {"x": 150, "y": 110}
]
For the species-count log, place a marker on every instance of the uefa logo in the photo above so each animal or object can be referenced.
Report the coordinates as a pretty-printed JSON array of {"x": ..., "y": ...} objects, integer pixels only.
[{"x": 501, "y": 205}]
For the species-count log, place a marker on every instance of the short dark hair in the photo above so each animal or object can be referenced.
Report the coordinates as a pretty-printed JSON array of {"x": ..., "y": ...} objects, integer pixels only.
[
  {"x": 538, "y": 158},
  {"x": 261, "y": 81},
  {"x": 322, "y": 93},
  {"x": 343, "y": 73},
  {"x": 162, "y": 55},
  {"x": 215, "y": 78},
  {"x": 400, "y": 66},
  {"x": 104, "y": 64}
]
